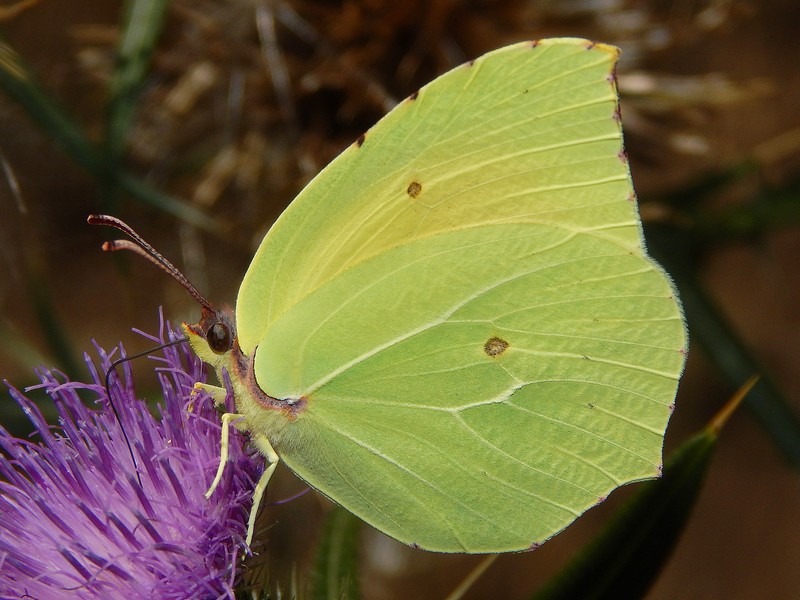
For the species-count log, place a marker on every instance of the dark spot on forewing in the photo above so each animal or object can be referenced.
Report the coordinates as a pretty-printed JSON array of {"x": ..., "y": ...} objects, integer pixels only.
[
  {"x": 495, "y": 346},
  {"x": 361, "y": 139},
  {"x": 414, "y": 189}
]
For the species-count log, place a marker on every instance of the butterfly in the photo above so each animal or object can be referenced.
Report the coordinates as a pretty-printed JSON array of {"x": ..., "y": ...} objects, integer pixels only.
[{"x": 454, "y": 331}]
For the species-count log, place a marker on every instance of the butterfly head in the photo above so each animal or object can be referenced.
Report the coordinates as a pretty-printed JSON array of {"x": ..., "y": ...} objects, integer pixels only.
[{"x": 214, "y": 336}]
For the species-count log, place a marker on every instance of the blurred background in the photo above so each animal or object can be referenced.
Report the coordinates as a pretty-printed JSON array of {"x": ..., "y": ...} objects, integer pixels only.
[{"x": 244, "y": 101}]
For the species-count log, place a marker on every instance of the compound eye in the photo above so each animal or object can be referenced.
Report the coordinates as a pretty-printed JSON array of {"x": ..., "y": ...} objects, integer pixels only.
[{"x": 219, "y": 338}]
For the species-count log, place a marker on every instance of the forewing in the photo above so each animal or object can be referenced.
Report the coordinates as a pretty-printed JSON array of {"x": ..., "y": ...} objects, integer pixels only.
[{"x": 527, "y": 133}]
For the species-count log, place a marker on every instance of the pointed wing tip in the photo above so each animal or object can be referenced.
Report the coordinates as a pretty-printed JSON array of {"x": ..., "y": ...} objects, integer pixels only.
[{"x": 575, "y": 41}]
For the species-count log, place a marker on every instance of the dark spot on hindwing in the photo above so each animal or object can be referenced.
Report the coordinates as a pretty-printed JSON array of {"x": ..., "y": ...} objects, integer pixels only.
[
  {"x": 495, "y": 346},
  {"x": 360, "y": 140},
  {"x": 414, "y": 189}
]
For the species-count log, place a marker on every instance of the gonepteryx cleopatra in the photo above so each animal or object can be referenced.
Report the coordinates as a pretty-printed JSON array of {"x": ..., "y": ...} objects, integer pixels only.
[{"x": 454, "y": 330}]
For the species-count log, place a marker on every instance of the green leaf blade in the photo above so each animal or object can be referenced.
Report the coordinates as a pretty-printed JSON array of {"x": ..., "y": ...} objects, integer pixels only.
[
  {"x": 142, "y": 23},
  {"x": 336, "y": 574}
]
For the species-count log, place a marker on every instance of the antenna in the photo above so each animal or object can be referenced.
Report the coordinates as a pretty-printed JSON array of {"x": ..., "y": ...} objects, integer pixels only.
[{"x": 142, "y": 248}]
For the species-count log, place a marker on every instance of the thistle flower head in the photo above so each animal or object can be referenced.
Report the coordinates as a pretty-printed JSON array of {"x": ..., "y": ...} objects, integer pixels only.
[{"x": 75, "y": 521}]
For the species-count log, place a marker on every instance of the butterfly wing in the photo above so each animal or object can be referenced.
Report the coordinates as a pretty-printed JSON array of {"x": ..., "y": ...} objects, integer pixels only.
[{"x": 464, "y": 302}]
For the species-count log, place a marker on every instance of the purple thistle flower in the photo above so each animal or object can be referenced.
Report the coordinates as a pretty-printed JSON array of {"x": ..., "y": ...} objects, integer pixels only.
[{"x": 74, "y": 520}]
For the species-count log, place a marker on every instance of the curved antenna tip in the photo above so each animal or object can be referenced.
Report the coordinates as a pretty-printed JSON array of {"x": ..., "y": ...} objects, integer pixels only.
[{"x": 142, "y": 248}]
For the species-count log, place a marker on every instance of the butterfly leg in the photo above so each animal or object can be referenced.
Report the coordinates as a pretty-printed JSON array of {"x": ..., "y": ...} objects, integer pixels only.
[
  {"x": 217, "y": 393},
  {"x": 223, "y": 451},
  {"x": 262, "y": 443}
]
